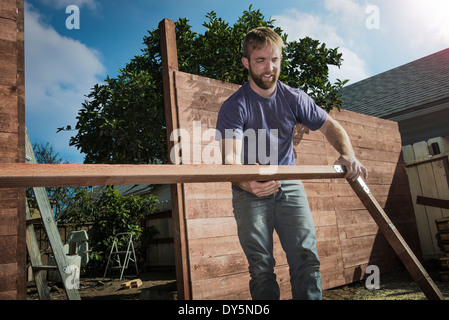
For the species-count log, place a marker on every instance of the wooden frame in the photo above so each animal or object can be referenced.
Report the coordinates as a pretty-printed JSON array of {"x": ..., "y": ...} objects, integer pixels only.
[{"x": 27, "y": 175}]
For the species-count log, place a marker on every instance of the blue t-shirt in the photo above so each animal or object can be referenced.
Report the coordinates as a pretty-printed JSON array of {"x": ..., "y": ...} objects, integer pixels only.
[{"x": 267, "y": 124}]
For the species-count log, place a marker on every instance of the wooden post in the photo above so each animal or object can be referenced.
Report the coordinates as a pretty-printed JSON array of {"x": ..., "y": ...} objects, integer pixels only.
[
  {"x": 169, "y": 59},
  {"x": 396, "y": 241},
  {"x": 12, "y": 149}
]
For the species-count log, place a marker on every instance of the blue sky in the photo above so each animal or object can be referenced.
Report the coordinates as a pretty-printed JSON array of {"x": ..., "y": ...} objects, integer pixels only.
[{"x": 61, "y": 64}]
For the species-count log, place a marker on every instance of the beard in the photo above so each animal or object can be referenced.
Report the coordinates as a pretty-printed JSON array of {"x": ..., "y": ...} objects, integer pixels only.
[{"x": 262, "y": 82}]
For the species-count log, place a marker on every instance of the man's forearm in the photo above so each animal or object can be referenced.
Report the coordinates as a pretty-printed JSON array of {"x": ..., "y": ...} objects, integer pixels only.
[{"x": 337, "y": 137}]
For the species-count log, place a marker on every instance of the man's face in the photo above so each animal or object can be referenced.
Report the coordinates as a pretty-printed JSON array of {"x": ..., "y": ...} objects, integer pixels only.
[{"x": 264, "y": 67}]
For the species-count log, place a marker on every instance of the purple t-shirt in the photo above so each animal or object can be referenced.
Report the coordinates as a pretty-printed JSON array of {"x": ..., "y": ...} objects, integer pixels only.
[{"x": 267, "y": 124}]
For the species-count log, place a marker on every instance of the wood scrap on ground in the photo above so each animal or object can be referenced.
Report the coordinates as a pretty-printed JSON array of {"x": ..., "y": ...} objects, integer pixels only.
[{"x": 132, "y": 284}]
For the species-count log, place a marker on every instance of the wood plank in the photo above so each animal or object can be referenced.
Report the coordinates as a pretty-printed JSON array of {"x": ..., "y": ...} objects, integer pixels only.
[
  {"x": 429, "y": 189},
  {"x": 208, "y": 208},
  {"x": 211, "y": 227},
  {"x": 361, "y": 119},
  {"x": 38, "y": 175},
  {"x": 432, "y": 202},
  {"x": 204, "y": 248},
  {"x": 422, "y": 222},
  {"x": 52, "y": 231},
  {"x": 35, "y": 258},
  {"x": 229, "y": 287},
  {"x": 217, "y": 267},
  {"x": 8, "y": 9},
  {"x": 441, "y": 173},
  {"x": 396, "y": 241},
  {"x": 169, "y": 61},
  {"x": 202, "y": 93}
]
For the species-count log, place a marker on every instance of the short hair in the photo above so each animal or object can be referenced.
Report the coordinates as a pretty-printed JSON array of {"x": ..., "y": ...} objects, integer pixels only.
[{"x": 260, "y": 38}]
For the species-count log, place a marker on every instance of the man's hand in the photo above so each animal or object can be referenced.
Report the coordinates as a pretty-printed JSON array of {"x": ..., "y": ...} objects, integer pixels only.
[
  {"x": 260, "y": 189},
  {"x": 353, "y": 167}
]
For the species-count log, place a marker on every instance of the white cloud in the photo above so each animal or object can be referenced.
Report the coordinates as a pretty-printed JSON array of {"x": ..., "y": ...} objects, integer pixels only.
[
  {"x": 353, "y": 68},
  {"x": 418, "y": 25},
  {"x": 336, "y": 28},
  {"x": 59, "y": 72}
]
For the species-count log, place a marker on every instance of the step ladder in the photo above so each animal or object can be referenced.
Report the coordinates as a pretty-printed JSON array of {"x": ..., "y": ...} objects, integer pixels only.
[
  {"x": 54, "y": 238},
  {"x": 119, "y": 259}
]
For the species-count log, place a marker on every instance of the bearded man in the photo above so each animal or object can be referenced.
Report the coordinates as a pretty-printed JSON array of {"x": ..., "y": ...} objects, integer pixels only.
[{"x": 271, "y": 110}]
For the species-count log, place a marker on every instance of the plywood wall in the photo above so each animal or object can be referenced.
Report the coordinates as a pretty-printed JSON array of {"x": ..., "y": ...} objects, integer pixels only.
[
  {"x": 348, "y": 239},
  {"x": 12, "y": 149}
]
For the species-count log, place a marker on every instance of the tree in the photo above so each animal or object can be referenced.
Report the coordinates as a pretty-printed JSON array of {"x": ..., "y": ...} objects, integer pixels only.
[
  {"x": 123, "y": 122},
  {"x": 110, "y": 213}
]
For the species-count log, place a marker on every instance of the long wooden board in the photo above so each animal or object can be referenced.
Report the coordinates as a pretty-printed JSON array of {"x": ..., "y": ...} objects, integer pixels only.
[
  {"x": 48, "y": 175},
  {"x": 396, "y": 241},
  {"x": 51, "y": 230}
]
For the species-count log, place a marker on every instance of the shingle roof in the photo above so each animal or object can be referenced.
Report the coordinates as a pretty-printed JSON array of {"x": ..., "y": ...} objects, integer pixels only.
[{"x": 412, "y": 85}]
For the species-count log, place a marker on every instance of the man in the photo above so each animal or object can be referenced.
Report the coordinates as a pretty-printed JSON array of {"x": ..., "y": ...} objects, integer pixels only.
[{"x": 270, "y": 110}]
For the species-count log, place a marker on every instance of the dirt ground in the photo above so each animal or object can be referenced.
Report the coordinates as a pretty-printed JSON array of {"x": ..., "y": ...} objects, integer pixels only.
[
  {"x": 395, "y": 285},
  {"x": 159, "y": 285}
]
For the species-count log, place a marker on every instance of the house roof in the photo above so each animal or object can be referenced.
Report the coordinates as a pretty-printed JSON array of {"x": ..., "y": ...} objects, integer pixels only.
[
  {"x": 161, "y": 191},
  {"x": 416, "y": 85}
]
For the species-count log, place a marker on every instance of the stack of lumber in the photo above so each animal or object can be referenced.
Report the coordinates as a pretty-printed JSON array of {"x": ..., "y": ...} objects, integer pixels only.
[{"x": 443, "y": 242}]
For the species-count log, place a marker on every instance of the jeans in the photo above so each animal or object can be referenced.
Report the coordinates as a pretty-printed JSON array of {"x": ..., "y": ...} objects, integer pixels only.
[{"x": 287, "y": 212}]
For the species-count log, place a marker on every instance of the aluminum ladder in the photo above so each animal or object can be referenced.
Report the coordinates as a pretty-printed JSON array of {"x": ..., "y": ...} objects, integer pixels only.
[{"x": 121, "y": 258}]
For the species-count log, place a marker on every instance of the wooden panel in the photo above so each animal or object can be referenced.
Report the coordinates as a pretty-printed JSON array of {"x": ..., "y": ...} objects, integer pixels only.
[
  {"x": 346, "y": 233},
  {"x": 12, "y": 149}
]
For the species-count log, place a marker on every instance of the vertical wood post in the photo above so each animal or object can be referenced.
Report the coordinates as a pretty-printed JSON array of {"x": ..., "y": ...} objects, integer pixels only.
[
  {"x": 169, "y": 57},
  {"x": 12, "y": 150}
]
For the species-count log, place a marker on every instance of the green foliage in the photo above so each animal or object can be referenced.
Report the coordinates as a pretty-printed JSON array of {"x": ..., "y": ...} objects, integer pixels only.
[
  {"x": 306, "y": 67},
  {"x": 111, "y": 213},
  {"x": 124, "y": 122}
]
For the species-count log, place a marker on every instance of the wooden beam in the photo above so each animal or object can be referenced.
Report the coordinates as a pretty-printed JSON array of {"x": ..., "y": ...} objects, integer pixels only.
[
  {"x": 169, "y": 61},
  {"x": 432, "y": 202},
  {"x": 53, "y": 175},
  {"x": 396, "y": 241}
]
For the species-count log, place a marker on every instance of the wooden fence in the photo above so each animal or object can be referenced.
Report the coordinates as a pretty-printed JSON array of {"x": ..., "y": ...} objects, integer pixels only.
[
  {"x": 210, "y": 262},
  {"x": 428, "y": 172}
]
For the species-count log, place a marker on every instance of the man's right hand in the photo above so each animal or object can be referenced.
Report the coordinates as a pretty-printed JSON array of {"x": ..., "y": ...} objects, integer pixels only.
[{"x": 259, "y": 189}]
